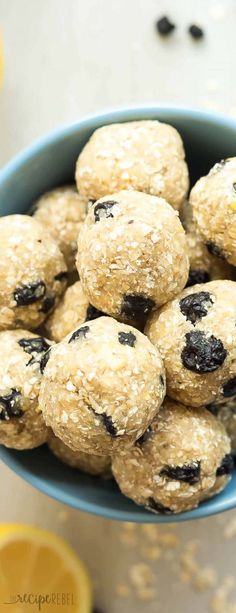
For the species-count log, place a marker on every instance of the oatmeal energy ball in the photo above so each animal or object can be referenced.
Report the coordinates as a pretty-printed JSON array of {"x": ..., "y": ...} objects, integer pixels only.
[
  {"x": 183, "y": 458},
  {"x": 21, "y": 423},
  {"x": 86, "y": 462},
  {"x": 73, "y": 310},
  {"x": 62, "y": 211},
  {"x": 147, "y": 156},
  {"x": 132, "y": 254},
  {"x": 104, "y": 383},
  {"x": 32, "y": 274},
  {"x": 213, "y": 200},
  {"x": 196, "y": 336}
]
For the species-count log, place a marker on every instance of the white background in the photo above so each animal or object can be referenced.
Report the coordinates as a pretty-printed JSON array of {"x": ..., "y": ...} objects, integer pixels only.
[{"x": 63, "y": 59}]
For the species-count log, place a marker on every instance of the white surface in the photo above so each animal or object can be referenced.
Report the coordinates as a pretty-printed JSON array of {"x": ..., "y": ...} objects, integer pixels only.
[{"x": 65, "y": 58}]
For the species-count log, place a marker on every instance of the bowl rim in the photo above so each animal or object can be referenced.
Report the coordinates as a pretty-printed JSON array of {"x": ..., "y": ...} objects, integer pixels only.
[
  {"x": 205, "y": 509},
  {"x": 21, "y": 159},
  {"x": 24, "y": 155}
]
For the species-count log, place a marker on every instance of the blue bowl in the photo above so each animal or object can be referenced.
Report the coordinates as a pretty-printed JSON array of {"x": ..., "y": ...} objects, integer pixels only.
[{"x": 50, "y": 162}]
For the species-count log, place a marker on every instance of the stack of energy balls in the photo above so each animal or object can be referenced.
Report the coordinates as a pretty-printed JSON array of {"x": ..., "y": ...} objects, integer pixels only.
[{"x": 128, "y": 366}]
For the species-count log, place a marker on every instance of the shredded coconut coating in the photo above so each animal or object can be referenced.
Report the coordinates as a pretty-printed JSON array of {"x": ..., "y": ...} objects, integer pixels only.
[
  {"x": 30, "y": 263},
  {"x": 180, "y": 437},
  {"x": 136, "y": 245},
  {"x": 147, "y": 156},
  {"x": 167, "y": 329},
  {"x": 62, "y": 212},
  {"x": 101, "y": 385},
  {"x": 86, "y": 462},
  {"x": 70, "y": 312},
  {"x": 213, "y": 199},
  {"x": 20, "y": 379}
]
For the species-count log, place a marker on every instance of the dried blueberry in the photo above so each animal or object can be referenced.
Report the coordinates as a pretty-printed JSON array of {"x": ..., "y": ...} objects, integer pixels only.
[
  {"x": 226, "y": 466},
  {"x": 61, "y": 276},
  {"x": 195, "y": 306},
  {"x": 189, "y": 473},
  {"x": 196, "y": 32},
  {"x": 29, "y": 293},
  {"x": 80, "y": 333},
  {"x": 48, "y": 304},
  {"x": 229, "y": 388},
  {"x": 34, "y": 345},
  {"x": 103, "y": 210},
  {"x": 93, "y": 313},
  {"x": 136, "y": 306},
  {"x": 197, "y": 276},
  {"x": 127, "y": 338},
  {"x": 215, "y": 250},
  {"x": 213, "y": 408},
  {"x": 44, "y": 360},
  {"x": 10, "y": 406},
  {"x": 145, "y": 436},
  {"x": 202, "y": 354},
  {"x": 108, "y": 423},
  {"x": 164, "y": 26},
  {"x": 158, "y": 507}
]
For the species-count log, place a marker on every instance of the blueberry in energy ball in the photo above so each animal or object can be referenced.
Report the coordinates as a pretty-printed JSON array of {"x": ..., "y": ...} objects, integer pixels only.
[
  {"x": 196, "y": 336},
  {"x": 132, "y": 256},
  {"x": 30, "y": 264},
  {"x": 92, "y": 464},
  {"x": 103, "y": 384},
  {"x": 62, "y": 212},
  {"x": 173, "y": 470},
  {"x": 147, "y": 156},
  {"x": 213, "y": 200},
  {"x": 21, "y": 422}
]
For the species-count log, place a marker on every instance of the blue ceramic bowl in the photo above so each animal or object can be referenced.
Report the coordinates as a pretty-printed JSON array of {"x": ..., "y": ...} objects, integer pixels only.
[{"x": 51, "y": 162}]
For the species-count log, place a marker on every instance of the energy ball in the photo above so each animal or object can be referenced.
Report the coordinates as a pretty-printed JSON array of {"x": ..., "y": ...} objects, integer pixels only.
[
  {"x": 147, "y": 156},
  {"x": 182, "y": 459},
  {"x": 73, "y": 310},
  {"x": 103, "y": 384},
  {"x": 33, "y": 272},
  {"x": 196, "y": 336},
  {"x": 86, "y": 462},
  {"x": 226, "y": 413},
  {"x": 21, "y": 422},
  {"x": 132, "y": 254},
  {"x": 205, "y": 267},
  {"x": 62, "y": 212},
  {"x": 213, "y": 200}
]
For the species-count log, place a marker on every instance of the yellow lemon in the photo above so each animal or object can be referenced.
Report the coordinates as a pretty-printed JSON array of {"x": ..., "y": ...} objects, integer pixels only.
[{"x": 40, "y": 572}]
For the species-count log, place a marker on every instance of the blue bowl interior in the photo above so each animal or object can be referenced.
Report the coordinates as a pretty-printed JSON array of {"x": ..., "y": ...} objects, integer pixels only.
[{"x": 51, "y": 162}]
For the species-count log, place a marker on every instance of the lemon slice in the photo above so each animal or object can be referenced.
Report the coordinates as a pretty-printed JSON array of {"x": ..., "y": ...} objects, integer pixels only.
[
  {"x": 40, "y": 572},
  {"x": 1, "y": 60}
]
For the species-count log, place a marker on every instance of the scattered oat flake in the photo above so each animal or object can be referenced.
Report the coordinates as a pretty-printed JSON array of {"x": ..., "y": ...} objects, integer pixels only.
[
  {"x": 152, "y": 552},
  {"x": 219, "y": 602},
  {"x": 122, "y": 590},
  {"x": 141, "y": 575},
  {"x": 147, "y": 593}
]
